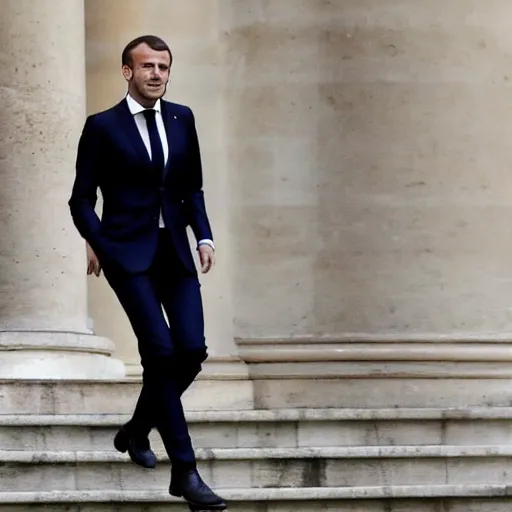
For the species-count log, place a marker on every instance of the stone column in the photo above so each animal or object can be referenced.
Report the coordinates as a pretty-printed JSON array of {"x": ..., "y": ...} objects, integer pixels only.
[
  {"x": 371, "y": 143},
  {"x": 44, "y": 329},
  {"x": 197, "y": 80}
]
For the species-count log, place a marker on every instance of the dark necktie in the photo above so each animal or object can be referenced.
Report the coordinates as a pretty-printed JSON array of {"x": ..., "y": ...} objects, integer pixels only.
[{"x": 157, "y": 151}]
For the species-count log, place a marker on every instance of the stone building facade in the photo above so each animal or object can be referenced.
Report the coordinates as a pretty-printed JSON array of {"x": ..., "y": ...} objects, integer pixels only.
[
  {"x": 356, "y": 161},
  {"x": 357, "y": 165}
]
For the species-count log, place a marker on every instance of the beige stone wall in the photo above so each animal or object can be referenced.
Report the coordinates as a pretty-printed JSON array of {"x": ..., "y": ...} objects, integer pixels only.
[
  {"x": 356, "y": 161},
  {"x": 370, "y": 141}
]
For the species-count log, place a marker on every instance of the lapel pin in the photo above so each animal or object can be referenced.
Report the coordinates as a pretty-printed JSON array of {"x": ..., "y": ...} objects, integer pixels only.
[{"x": 175, "y": 117}]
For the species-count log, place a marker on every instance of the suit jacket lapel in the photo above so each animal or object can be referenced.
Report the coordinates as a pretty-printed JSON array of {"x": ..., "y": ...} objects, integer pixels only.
[
  {"x": 170, "y": 126},
  {"x": 130, "y": 127}
]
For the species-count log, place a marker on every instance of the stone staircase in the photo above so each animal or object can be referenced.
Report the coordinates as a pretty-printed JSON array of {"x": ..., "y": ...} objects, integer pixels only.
[{"x": 56, "y": 454}]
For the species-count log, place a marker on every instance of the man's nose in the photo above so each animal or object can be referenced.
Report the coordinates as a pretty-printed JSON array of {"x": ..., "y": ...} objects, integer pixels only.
[{"x": 157, "y": 73}]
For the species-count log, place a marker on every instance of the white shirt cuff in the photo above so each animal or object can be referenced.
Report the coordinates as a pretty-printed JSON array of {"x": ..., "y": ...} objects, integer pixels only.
[{"x": 206, "y": 241}]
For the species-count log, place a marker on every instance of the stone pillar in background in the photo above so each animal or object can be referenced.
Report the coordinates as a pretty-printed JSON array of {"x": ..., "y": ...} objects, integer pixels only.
[
  {"x": 191, "y": 30},
  {"x": 43, "y": 294},
  {"x": 371, "y": 142}
]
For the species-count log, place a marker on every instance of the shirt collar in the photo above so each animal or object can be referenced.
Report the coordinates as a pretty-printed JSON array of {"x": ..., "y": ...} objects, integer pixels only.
[{"x": 136, "y": 108}]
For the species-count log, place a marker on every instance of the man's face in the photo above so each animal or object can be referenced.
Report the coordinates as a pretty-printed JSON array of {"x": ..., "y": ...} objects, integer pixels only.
[{"x": 149, "y": 73}]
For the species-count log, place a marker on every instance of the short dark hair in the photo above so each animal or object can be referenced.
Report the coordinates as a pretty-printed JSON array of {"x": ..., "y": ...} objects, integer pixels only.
[{"x": 154, "y": 42}]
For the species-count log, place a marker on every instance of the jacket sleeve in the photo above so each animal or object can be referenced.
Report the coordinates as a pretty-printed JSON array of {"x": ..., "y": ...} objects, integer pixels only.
[
  {"x": 194, "y": 201},
  {"x": 84, "y": 194}
]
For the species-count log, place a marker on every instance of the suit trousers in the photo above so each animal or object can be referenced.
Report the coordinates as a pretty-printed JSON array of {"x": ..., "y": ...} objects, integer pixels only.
[{"x": 171, "y": 351}]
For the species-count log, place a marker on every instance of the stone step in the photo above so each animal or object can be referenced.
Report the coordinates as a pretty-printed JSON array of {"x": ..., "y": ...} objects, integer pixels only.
[
  {"x": 284, "y": 428},
  {"x": 215, "y": 394},
  {"x": 114, "y": 397},
  {"x": 264, "y": 467},
  {"x": 422, "y": 498}
]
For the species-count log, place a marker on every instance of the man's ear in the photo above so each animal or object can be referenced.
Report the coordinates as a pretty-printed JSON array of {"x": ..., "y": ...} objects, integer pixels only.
[{"x": 127, "y": 72}]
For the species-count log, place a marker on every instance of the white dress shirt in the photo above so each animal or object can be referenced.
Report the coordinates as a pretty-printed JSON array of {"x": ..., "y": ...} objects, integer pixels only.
[{"x": 137, "y": 111}]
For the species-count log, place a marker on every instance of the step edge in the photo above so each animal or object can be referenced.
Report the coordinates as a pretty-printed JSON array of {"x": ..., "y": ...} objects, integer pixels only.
[
  {"x": 268, "y": 494},
  {"x": 262, "y": 415},
  {"x": 304, "y": 453}
]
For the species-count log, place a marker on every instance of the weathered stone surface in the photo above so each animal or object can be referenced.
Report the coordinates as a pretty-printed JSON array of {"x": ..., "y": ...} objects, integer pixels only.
[{"x": 44, "y": 329}]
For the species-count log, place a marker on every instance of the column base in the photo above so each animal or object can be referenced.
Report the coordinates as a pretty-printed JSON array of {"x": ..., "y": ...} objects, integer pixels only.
[
  {"x": 433, "y": 356},
  {"x": 56, "y": 355},
  {"x": 372, "y": 372}
]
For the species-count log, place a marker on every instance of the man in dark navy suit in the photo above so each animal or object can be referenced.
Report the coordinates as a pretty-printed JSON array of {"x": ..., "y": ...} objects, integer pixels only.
[{"x": 143, "y": 154}]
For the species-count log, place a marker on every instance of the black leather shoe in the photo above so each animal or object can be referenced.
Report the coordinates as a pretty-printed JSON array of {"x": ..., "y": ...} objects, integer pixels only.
[
  {"x": 138, "y": 449},
  {"x": 189, "y": 485}
]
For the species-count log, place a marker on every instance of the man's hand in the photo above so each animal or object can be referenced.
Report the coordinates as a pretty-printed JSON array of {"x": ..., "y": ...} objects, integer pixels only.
[
  {"x": 207, "y": 257},
  {"x": 93, "y": 263}
]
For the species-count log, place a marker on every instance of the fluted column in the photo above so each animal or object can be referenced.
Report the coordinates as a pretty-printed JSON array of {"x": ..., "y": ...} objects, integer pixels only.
[
  {"x": 197, "y": 80},
  {"x": 44, "y": 329}
]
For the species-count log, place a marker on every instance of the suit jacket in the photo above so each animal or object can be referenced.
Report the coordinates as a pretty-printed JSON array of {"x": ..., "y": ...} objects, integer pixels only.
[{"x": 112, "y": 157}]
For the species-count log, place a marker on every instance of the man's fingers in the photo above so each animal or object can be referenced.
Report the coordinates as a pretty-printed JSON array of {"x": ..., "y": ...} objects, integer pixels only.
[
  {"x": 207, "y": 260},
  {"x": 93, "y": 267},
  {"x": 97, "y": 268}
]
